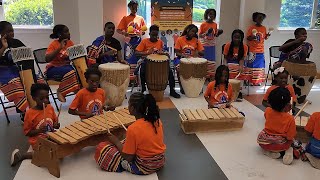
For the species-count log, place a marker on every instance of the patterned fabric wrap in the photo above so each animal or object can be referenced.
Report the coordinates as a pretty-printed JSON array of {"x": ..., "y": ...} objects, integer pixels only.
[
  {"x": 210, "y": 53},
  {"x": 234, "y": 71},
  {"x": 109, "y": 159},
  {"x": 99, "y": 46},
  {"x": 129, "y": 48},
  {"x": 300, "y": 53},
  {"x": 256, "y": 66},
  {"x": 273, "y": 143},
  {"x": 211, "y": 69},
  {"x": 313, "y": 147}
]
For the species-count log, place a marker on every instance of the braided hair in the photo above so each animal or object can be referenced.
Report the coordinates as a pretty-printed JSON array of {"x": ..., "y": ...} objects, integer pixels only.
[
  {"x": 241, "y": 49},
  {"x": 146, "y": 105},
  {"x": 218, "y": 76},
  {"x": 279, "y": 98},
  {"x": 57, "y": 31},
  {"x": 188, "y": 28},
  {"x": 3, "y": 25}
]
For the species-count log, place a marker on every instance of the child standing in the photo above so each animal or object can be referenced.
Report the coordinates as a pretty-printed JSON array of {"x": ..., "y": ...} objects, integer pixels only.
[
  {"x": 38, "y": 120},
  {"x": 280, "y": 128},
  {"x": 219, "y": 91},
  {"x": 256, "y": 35},
  {"x": 313, "y": 147},
  {"x": 143, "y": 150},
  {"x": 280, "y": 80},
  {"x": 90, "y": 101}
]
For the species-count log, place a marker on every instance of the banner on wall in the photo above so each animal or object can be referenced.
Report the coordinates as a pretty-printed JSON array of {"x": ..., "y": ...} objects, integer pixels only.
[{"x": 171, "y": 14}]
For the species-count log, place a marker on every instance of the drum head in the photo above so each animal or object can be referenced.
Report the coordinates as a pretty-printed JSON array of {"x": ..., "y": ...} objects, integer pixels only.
[
  {"x": 193, "y": 60},
  {"x": 113, "y": 66},
  {"x": 157, "y": 57}
]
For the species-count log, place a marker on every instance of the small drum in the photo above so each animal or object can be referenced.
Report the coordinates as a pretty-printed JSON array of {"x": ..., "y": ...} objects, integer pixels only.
[
  {"x": 193, "y": 73},
  {"x": 301, "y": 77},
  {"x": 77, "y": 54},
  {"x": 157, "y": 72},
  {"x": 115, "y": 81},
  {"x": 24, "y": 58},
  {"x": 236, "y": 86}
]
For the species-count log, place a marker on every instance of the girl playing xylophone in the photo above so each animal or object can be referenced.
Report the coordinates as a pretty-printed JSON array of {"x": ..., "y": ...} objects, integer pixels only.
[
  {"x": 38, "y": 120},
  {"x": 280, "y": 128},
  {"x": 219, "y": 92},
  {"x": 59, "y": 67},
  {"x": 143, "y": 150}
]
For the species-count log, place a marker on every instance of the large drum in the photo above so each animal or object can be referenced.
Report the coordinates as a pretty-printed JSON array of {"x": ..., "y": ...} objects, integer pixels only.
[
  {"x": 193, "y": 73},
  {"x": 236, "y": 87},
  {"x": 301, "y": 77},
  {"x": 77, "y": 54},
  {"x": 157, "y": 72},
  {"x": 24, "y": 58},
  {"x": 115, "y": 81}
]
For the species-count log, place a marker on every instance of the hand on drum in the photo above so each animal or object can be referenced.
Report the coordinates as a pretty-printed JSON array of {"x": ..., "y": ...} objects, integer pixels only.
[
  {"x": 123, "y": 62},
  {"x": 110, "y": 53},
  {"x": 109, "y": 108}
]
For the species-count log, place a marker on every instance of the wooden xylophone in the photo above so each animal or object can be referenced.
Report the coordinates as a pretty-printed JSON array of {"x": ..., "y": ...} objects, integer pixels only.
[
  {"x": 202, "y": 120},
  {"x": 71, "y": 139},
  {"x": 301, "y": 122}
]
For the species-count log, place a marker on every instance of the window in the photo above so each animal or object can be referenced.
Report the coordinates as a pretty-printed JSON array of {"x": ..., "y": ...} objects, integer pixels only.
[
  {"x": 300, "y": 13},
  {"x": 199, "y": 7},
  {"x": 28, "y": 12}
]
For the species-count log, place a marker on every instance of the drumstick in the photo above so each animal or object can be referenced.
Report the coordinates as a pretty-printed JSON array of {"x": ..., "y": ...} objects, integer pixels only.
[
  {"x": 105, "y": 117},
  {"x": 119, "y": 121},
  {"x": 111, "y": 48},
  {"x": 237, "y": 76},
  {"x": 44, "y": 111},
  {"x": 291, "y": 102},
  {"x": 59, "y": 111},
  {"x": 304, "y": 106}
]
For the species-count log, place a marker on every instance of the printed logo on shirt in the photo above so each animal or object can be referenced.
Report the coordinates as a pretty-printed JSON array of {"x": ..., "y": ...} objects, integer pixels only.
[
  {"x": 48, "y": 123},
  {"x": 187, "y": 50},
  {"x": 221, "y": 97},
  {"x": 94, "y": 106}
]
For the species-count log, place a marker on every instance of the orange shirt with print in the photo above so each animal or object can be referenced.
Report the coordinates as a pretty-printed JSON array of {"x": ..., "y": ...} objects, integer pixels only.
[
  {"x": 279, "y": 123},
  {"x": 131, "y": 20},
  {"x": 89, "y": 102},
  {"x": 289, "y": 87},
  {"x": 146, "y": 45},
  {"x": 62, "y": 57},
  {"x": 34, "y": 119},
  {"x": 205, "y": 26},
  {"x": 313, "y": 125},
  {"x": 219, "y": 94},
  {"x": 188, "y": 47},
  {"x": 235, "y": 50},
  {"x": 257, "y": 46},
  {"x": 142, "y": 139}
]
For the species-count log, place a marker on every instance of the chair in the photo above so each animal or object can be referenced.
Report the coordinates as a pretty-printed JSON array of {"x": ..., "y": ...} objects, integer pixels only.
[
  {"x": 274, "y": 54},
  {"x": 5, "y": 108},
  {"x": 133, "y": 78}
]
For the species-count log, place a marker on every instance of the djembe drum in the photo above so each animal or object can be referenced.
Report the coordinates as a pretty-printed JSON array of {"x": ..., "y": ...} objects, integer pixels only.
[
  {"x": 193, "y": 73},
  {"x": 236, "y": 86},
  {"x": 24, "y": 58},
  {"x": 77, "y": 54},
  {"x": 301, "y": 77},
  {"x": 157, "y": 72},
  {"x": 115, "y": 81}
]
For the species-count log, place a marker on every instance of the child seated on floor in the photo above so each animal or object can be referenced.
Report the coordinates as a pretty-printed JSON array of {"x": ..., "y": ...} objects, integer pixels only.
[
  {"x": 280, "y": 128},
  {"x": 280, "y": 80},
  {"x": 37, "y": 121},
  {"x": 143, "y": 151},
  {"x": 90, "y": 101},
  {"x": 313, "y": 147},
  {"x": 219, "y": 92}
]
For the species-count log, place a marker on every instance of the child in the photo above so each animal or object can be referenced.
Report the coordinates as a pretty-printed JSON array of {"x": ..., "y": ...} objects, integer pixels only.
[
  {"x": 219, "y": 92},
  {"x": 280, "y": 80},
  {"x": 149, "y": 46},
  {"x": 208, "y": 33},
  {"x": 187, "y": 46},
  {"x": 38, "y": 120},
  {"x": 313, "y": 147},
  {"x": 90, "y": 101},
  {"x": 256, "y": 35},
  {"x": 296, "y": 50},
  {"x": 280, "y": 127},
  {"x": 143, "y": 150},
  {"x": 59, "y": 67}
]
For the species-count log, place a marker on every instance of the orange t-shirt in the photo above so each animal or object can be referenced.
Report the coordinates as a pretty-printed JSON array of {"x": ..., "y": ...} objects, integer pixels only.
[
  {"x": 34, "y": 119},
  {"x": 86, "y": 101},
  {"x": 279, "y": 123},
  {"x": 146, "y": 44},
  {"x": 257, "y": 46},
  {"x": 136, "y": 21},
  {"x": 289, "y": 87},
  {"x": 188, "y": 47},
  {"x": 143, "y": 141},
  {"x": 313, "y": 125},
  {"x": 218, "y": 95},
  {"x": 62, "y": 57},
  {"x": 235, "y": 50},
  {"x": 209, "y": 39}
]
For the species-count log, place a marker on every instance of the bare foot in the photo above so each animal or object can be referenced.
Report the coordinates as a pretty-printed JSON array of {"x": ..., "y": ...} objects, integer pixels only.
[
  {"x": 288, "y": 156},
  {"x": 61, "y": 97},
  {"x": 273, "y": 155},
  {"x": 315, "y": 162}
]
